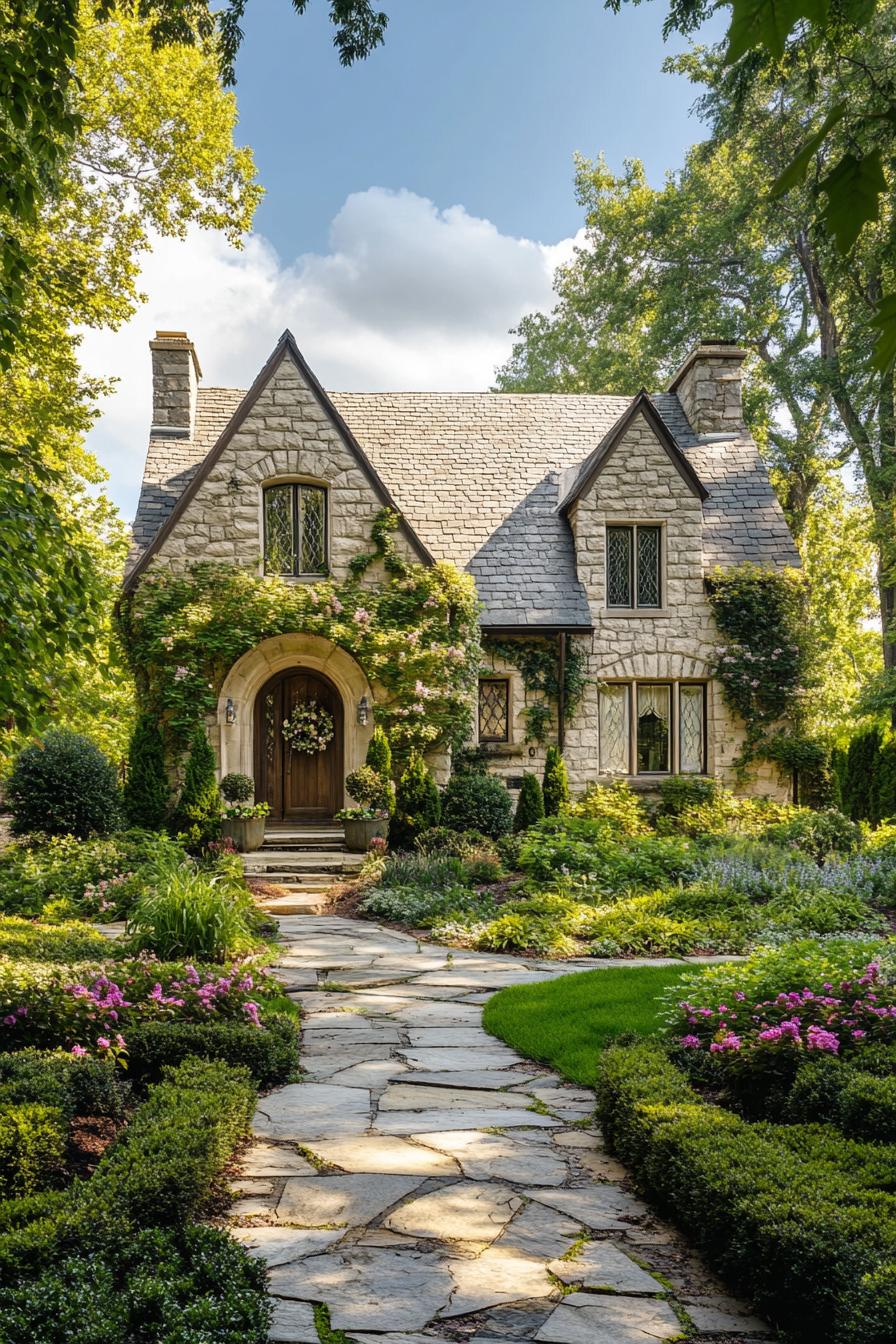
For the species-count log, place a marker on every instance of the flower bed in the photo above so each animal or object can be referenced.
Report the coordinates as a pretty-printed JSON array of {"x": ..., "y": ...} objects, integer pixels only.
[{"x": 92, "y": 1010}]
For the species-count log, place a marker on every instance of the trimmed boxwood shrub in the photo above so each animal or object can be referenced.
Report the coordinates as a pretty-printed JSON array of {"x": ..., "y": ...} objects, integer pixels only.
[
  {"x": 477, "y": 803},
  {"x": 800, "y": 1219},
  {"x": 270, "y": 1053},
  {"x": 63, "y": 785},
  {"x": 195, "y": 1286},
  {"x": 73, "y": 1086},
  {"x": 32, "y": 1148}
]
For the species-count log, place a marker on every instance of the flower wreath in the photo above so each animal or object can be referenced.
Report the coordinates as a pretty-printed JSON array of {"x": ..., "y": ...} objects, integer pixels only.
[{"x": 309, "y": 727}]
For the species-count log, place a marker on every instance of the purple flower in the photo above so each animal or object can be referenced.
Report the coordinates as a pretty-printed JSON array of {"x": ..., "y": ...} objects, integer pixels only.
[
  {"x": 819, "y": 1039},
  {"x": 10, "y": 1020},
  {"x": 690, "y": 1042}
]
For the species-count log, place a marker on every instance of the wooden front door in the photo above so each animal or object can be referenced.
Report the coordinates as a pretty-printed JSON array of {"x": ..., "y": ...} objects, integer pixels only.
[{"x": 296, "y": 785}]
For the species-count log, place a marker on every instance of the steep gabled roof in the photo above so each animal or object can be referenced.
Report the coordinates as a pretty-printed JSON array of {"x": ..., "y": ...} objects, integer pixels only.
[
  {"x": 285, "y": 348},
  {"x": 594, "y": 463}
]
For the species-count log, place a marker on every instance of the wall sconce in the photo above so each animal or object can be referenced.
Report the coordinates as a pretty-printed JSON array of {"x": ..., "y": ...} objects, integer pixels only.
[
  {"x": 363, "y": 711},
  {"x": 230, "y": 713},
  {"x": 233, "y": 484}
]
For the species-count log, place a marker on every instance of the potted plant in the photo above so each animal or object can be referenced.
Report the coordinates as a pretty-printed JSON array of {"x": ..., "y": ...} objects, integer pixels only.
[
  {"x": 363, "y": 824},
  {"x": 375, "y": 794},
  {"x": 243, "y": 819}
]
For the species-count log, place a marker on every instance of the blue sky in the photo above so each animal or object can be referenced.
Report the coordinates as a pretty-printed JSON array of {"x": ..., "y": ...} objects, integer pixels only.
[{"x": 417, "y": 203}]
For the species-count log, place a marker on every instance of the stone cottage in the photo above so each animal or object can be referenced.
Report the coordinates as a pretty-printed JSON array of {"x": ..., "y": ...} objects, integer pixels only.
[{"x": 587, "y": 521}]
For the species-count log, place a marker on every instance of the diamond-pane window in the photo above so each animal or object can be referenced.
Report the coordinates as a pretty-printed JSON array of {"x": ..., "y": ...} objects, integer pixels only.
[
  {"x": 279, "y": 549},
  {"x": 691, "y": 734},
  {"x": 619, "y": 566},
  {"x": 494, "y": 716},
  {"x": 613, "y": 726},
  {"x": 313, "y": 529},
  {"x": 634, "y": 567},
  {"x": 295, "y": 529},
  {"x": 648, "y": 566}
]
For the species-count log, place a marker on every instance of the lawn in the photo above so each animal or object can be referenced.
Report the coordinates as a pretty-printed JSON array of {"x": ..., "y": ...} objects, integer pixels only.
[{"x": 567, "y": 1021}]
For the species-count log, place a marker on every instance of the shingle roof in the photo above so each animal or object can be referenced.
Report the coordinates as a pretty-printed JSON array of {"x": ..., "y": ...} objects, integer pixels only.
[{"x": 478, "y": 476}]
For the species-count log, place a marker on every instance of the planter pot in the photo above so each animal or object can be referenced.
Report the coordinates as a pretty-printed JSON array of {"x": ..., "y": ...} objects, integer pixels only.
[
  {"x": 247, "y": 833},
  {"x": 358, "y": 834}
]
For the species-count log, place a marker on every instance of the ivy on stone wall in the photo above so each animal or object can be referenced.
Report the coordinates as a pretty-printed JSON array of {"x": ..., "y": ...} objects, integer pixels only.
[
  {"x": 763, "y": 663},
  {"x": 537, "y": 661},
  {"x": 415, "y": 634}
]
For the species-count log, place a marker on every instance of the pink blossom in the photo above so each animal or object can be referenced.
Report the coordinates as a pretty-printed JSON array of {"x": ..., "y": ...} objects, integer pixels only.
[
  {"x": 690, "y": 1042},
  {"x": 103, "y": 1042},
  {"x": 78, "y": 1051}
]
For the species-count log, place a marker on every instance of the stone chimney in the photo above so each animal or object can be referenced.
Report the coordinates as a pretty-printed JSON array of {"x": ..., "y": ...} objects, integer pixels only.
[
  {"x": 175, "y": 378},
  {"x": 709, "y": 387}
]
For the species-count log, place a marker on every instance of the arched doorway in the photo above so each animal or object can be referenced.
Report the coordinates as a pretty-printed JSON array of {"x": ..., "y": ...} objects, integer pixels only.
[{"x": 297, "y": 786}]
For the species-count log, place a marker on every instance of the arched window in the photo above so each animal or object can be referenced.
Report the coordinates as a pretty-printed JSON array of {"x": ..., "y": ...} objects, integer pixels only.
[{"x": 295, "y": 529}]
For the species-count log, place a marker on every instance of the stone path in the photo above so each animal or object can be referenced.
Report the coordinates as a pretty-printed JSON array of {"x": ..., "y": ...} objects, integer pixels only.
[{"x": 427, "y": 1184}]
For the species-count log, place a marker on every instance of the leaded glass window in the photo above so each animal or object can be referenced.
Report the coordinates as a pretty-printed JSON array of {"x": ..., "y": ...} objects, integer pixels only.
[
  {"x": 634, "y": 567},
  {"x": 494, "y": 709},
  {"x": 295, "y": 529},
  {"x": 691, "y": 729},
  {"x": 613, "y": 726},
  {"x": 648, "y": 566},
  {"x": 619, "y": 566},
  {"x": 654, "y": 725}
]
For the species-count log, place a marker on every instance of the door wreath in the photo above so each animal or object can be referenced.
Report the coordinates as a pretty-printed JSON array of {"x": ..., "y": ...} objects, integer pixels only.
[{"x": 308, "y": 728}]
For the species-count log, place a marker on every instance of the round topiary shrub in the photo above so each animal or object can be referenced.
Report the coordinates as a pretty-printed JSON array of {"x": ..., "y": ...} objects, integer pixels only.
[
  {"x": 237, "y": 788},
  {"x": 63, "y": 785},
  {"x": 477, "y": 803}
]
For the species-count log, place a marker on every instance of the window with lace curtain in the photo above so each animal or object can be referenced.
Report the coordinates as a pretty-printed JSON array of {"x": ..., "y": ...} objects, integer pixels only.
[
  {"x": 295, "y": 529},
  {"x": 652, "y": 728}
]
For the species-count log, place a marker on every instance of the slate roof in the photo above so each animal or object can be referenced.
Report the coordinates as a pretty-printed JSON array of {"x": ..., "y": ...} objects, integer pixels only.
[{"x": 479, "y": 477}]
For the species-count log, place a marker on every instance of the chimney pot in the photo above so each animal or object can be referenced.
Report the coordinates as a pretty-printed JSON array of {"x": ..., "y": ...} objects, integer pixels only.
[{"x": 175, "y": 379}]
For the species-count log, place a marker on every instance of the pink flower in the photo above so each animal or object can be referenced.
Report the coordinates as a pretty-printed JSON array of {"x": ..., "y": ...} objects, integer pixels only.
[
  {"x": 362, "y": 616},
  {"x": 180, "y": 673},
  {"x": 78, "y": 1051},
  {"x": 10, "y": 1020},
  {"x": 103, "y": 1042},
  {"x": 690, "y": 1042},
  {"x": 819, "y": 1039}
]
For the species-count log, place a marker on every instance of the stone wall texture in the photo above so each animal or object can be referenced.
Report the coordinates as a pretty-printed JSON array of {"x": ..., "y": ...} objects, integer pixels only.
[
  {"x": 285, "y": 435},
  {"x": 640, "y": 484}
]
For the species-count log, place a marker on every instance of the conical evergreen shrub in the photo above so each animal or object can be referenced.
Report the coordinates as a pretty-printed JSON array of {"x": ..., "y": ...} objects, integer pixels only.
[
  {"x": 146, "y": 792},
  {"x": 199, "y": 808},
  {"x": 417, "y": 804},
  {"x": 529, "y": 805},
  {"x": 556, "y": 782},
  {"x": 379, "y": 753}
]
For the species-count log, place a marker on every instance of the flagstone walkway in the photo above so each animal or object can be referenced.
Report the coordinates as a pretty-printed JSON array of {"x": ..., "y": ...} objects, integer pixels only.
[{"x": 427, "y": 1184}]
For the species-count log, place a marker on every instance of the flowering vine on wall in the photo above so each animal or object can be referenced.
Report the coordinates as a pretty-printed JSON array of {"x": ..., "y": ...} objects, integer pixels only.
[{"x": 414, "y": 631}]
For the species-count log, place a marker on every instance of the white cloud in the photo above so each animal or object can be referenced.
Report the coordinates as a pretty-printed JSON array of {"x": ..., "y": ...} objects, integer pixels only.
[{"x": 408, "y": 297}]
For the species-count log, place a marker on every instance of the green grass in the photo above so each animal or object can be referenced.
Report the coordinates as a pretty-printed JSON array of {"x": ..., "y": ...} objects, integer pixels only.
[{"x": 566, "y": 1022}]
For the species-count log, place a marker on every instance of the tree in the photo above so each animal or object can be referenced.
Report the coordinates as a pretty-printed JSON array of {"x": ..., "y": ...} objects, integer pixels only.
[
  {"x": 146, "y": 791},
  {"x": 44, "y": 111},
  {"x": 556, "y": 782},
  {"x": 529, "y": 804},
  {"x": 199, "y": 805},
  {"x": 418, "y": 806},
  {"x": 856, "y": 98},
  {"x": 710, "y": 253},
  {"x": 153, "y": 152}
]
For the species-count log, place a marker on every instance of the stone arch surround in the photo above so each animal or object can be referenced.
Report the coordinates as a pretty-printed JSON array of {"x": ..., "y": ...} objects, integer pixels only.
[{"x": 235, "y": 743}]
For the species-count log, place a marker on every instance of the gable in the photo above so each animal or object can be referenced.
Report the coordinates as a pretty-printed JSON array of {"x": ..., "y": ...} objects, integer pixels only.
[{"x": 285, "y": 425}]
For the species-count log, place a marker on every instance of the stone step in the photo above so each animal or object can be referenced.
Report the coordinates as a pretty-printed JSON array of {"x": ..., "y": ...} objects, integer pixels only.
[
  {"x": 283, "y": 861},
  {"x": 295, "y": 904},
  {"x": 299, "y": 881},
  {"x": 298, "y": 847}
]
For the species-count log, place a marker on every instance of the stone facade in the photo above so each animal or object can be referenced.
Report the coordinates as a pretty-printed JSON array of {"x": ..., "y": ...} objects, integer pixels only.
[{"x": 203, "y": 501}]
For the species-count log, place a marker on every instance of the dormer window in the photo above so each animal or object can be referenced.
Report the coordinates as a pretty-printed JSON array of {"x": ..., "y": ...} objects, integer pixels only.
[
  {"x": 295, "y": 530},
  {"x": 634, "y": 566}
]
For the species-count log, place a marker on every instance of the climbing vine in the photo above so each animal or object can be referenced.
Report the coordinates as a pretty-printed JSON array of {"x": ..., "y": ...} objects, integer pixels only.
[
  {"x": 414, "y": 632},
  {"x": 536, "y": 660},
  {"x": 763, "y": 663}
]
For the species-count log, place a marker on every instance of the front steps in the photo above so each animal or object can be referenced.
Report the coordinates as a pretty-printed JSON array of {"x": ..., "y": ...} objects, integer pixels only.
[{"x": 304, "y": 862}]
